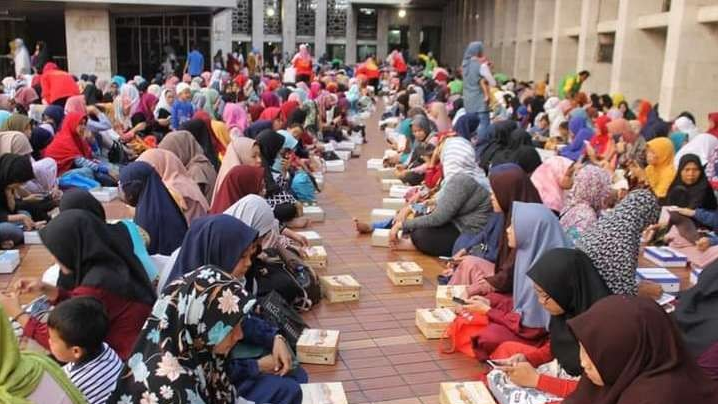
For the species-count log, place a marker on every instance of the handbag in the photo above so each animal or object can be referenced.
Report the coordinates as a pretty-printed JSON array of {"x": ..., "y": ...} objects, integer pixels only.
[
  {"x": 458, "y": 336},
  {"x": 274, "y": 309}
]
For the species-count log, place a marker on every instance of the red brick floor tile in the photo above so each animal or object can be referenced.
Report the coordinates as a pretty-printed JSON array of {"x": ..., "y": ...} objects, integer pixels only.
[
  {"x": 359, "y": 363},
  {"x": 410, "y": 358},
  {"x": 356, "y": 397},
  {"x": 380, "y": 382},
  {"x": 361, "y": 353},
  {"x": 389, "y": 393},
  {"x": 369, "y": 372}
]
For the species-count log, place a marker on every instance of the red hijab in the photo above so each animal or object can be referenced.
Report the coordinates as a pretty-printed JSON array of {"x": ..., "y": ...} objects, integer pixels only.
[
  {"x": 254, "y": 111},
  {"x": 601, "y": 139},
  {"x": 240, "y": 181},
  {"x": 270, "y": 114},
  {"x": 289, "y": 107},
  {"x": 203, "y": 116},
  {"x": 67, "y": 144},
  {"x": 713, "y": 117},
  {"x": 643, "y": 110},
  {"x": 148, "y": 101}
]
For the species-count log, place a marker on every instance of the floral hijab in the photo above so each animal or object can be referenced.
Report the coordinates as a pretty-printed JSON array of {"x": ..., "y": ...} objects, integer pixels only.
[
  {"x": 591, "y": 188},
  {"x": 173, "y": 360}
]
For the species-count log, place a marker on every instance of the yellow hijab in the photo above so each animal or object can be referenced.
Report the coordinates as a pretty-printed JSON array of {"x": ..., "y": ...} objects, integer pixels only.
[{"x": 661, "y": 174}]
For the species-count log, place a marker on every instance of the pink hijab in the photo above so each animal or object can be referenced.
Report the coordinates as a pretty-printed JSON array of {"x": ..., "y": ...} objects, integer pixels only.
[
  {"x": 442, "y": 120},
  {"x": 76, "y": 103},
  {"x": 314, "y": 90},
  {"x": 239, "y": 152},
  {"x": 235, "y": 117},
  {"x": 547, "y": 179}
]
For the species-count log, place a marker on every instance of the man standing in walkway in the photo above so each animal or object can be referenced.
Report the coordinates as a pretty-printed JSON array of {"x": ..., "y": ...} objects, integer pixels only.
[
  {"x": 571, "y": 84},
  {"x": 195, "y": 62}
]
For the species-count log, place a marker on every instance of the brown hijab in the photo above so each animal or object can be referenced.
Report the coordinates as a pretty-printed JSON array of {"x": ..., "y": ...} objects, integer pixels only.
[
  {"x": 509, "y": 183},
  {"x": 239, "y": 152},
  {"x": 190, "y": 153},
  {"x": 639, "y": 355}
]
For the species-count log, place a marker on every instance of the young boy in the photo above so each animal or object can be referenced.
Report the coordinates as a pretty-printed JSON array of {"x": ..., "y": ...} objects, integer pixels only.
[
  {"x": 77, "y": 329},
  {"x": 182, "y": 109}
]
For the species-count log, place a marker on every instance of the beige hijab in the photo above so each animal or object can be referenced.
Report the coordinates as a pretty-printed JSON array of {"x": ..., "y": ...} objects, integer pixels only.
[
  {"x": 15, "y": 142},
  {"x": 239, "y": 152},
  {"x": 190, "y": 153}
]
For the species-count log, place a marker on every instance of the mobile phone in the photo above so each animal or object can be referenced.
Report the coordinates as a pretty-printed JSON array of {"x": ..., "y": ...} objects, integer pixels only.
[
  {"x": 496, "y": 363},
  {"x": 444, "y": 258},
  {"x": 459, "y": 300}
]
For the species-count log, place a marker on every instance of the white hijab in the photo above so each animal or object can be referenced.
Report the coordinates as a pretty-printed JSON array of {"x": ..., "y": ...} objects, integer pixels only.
[
  {"x": 256, "y": 213},
  {"x": 702, "y": 145}
]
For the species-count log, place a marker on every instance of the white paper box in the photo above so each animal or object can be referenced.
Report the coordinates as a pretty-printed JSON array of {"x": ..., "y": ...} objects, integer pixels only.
[
  {"x": 398, "y": 191},
  {"x": 374, "y": 164},
  {"x": 105, "y": 194},
  {"x": 313, "y": 237},
  {"x": 323, "y": 393},
  {"x": 335, "y": 166},
  {"x": 393, "y": 203},
  {"x": 380, "y": 238},
  {"x": 32, "y": 237},
  {"x": 315, "y": 213},
  {"x": 346, "y": 145},
  {"x": 386, "y": 173},
  {"x": 545, "y": 154},
  {"x": 433, "y": 322},
  {"x": 344, "y": 155},
  {"x": 465, "y": 393},
  {"x": 445, "y": 294},
  {"x": 9, "y": 260},
  {"x": 695, "y": 274},
  {"x": 318, "y": 347},
  {"x": 340, "y": 288},
  {"x": 387, "y": 184},
  {"x": 382, "y": 214},
  {"x": 51, "y": 275},
  {"x": 328, "y": 147},
  {"x": 665, "y": 257},
  {"x": 316, "y": 257},
  {"x": 405, "y": 273},
  {"x": 668, "y": 281},
  {"x": 357, "y": 151}
]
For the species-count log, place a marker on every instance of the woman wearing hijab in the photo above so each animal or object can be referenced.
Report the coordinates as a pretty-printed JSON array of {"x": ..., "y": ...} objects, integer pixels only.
[
  {"x": 45, "y": 170},
  {"x": 509, "y": 150},
  {"x": 240, "y": 181},
  {"x": 581, "y": 136},
  {"x": 690, "y": 189},
  {"x": 630, "y": 146},
  {"x": 215, "y": 137},
  {"x": 235, "y": 116},
  {"x": 701, "y": 145},
  {"x": 30, "y": 377},
  {"x": 276, "y": 183},
  {"x": 163, "y": 110},
  {"x": 463, "y": 204},
  {"x": 713, "y": 124},
  {"x": 566, "y": 285},
  {"x": 57, "y": 85},
  {"x": 601, "y": 148},
  {"x": 588, "y": 196},
  {"x": 202, "y": 135},
  {"x": 155, "y": 210},
  {"x": 660, "y": 172},
  {"x": 24, "y": 97},
  {"x": 126, "y": 104},
  {"x": 641, "y": 358},
  {"x": 520, "y": 318},
  {"x": 93, "y": 262},
  {"x": 613, "y": 242},
  {"x": 190, "y": 153},
  {"x": 17, "y": 123},
  {"x": 241, "y": 151},
  {"x": 15, "y": 171},
  {"x": 551, "y": 182},
  {"x": 76, "y": 104},
  {"x": 509, "y": 184},
  {"x": 184, "y": 190}
]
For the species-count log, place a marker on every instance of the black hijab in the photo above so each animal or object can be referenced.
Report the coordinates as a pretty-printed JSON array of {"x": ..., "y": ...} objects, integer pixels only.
[
  {"x": 696, "y": 312},
  {"x": 39, "y": 140},
  {"x": 78, "y": 198},
  {"x": 698, "y": 195},
  {"x": 199, "y": 130},
  {"x": 15, "y": 169},
  {"x": 570, "y": 279},
  {"x": 270, "y": 144},
  {"x": 81, "y": 242}
]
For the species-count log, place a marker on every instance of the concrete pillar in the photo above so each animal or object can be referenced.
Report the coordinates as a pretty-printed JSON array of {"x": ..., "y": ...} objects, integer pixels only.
[
  {"x": 289, "y": 27},
  {"x": 222, "y": 32},
  {"x": 320, "y": 28},
  {"x": 87, "y": 35},
  {"x": 565, "y": 48},
  {"x": 382, "y": 33},
  {"x": 542, "y": 47},
  {"x": 258, "y": 24},
  {"x": 691, "y": 53},
  {"x": 351, "y": 44},
  {"x": 414, "y": 39},
  {"x": 588, "y": 42},
  {"x": 638, "y": 55}
]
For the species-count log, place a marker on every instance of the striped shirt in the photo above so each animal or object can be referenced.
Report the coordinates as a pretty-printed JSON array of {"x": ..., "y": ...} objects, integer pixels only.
[{"x": 97, "y": 378}]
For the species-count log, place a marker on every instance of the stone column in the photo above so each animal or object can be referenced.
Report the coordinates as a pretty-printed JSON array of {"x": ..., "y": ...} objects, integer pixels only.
[
  {"x": 351, "y": 47},
  {"x": 258, "y": 24},
  {"x": 222, "y": 32},
  {"x": 87, "y": 35},
  {"x": 414, "y": 38},
  {"x": 382, "y": 33},
  {"x": 588, "y": 41},
  {"x": 320, "y": 29},
  {"x": 289, "y": 27}
]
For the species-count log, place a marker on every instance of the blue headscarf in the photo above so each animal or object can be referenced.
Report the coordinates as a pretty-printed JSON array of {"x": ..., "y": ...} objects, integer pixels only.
[
  {"x": 155, "y": 210},
  {"x": 472, "y": 50},
  {"x": 576, "y": 124},
  {"x": 537, "y": 230},
  {"x": 218, "y": 240},
  {"x": 4, "y": 115},
  {"x": 57, "y": 113},
  {"x": 119, "y": 80},
  {"x": 575, "y": 149}
]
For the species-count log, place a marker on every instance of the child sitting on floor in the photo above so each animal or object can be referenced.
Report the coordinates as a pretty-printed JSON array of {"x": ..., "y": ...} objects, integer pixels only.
[{"x": 77, "y": 328}]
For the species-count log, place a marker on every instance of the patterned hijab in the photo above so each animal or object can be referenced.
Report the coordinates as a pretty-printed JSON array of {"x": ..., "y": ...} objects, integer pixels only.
[
  {"x": 613, "y": 243},
  {"x": 591, "y": 188},
  {"x": 173, "y": 360}
]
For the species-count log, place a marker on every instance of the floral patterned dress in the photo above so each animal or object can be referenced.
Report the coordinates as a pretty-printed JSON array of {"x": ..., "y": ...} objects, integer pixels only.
[{"x": 173, "y": 360}]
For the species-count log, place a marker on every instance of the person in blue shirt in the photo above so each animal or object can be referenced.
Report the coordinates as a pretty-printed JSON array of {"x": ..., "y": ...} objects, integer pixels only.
[
  {"x": 195, "y": 62},
  {"x": 182, "y": 109}
]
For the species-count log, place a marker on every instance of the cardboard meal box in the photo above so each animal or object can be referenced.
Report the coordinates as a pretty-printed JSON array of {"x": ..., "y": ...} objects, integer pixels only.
[
  {"x": 9, "y": 261},
  {"x": 374, "y": 164},
  {"x": 668, "y": 281},
  {"x": 335, "y": 166},
  {"x": 316, "y": 257},
  {"x": 433, "y": 322},
  {"x": 315, "y": 213},
  {"x": 387, "y": 184},
  {"x": 465, "y": 393},
  {"x": 344, "y": 155},
  {"x": 328, "y": 147},
  {"x": 32, "y": 237},
  {"x": 323, "y": 393},
  {"x": 386, "y": 173},
  {"x": 445, "y": 294},
  {"x": 695, "y": 274},
  {"x": 356, "y": 152},
  {"x": 313, "y": 237},
  {"x": 318, "y": 347},
  {"x": 665, "y": 257},
  {"x": 393, "y": 203},
  {"x": 403, "y": 273},
  {"x": 340, "y": 288},
  {"x": 346, "y": 145},
  {"x": 378, "y": 215},
  {"x": 398, "y": 191},
  {"x": 380, "y": 237},
  {"x": 105, "y": 194}
]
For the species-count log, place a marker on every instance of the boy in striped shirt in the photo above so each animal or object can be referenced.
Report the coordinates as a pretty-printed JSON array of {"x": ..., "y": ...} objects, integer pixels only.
[{"x": 77, "y": 329}]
